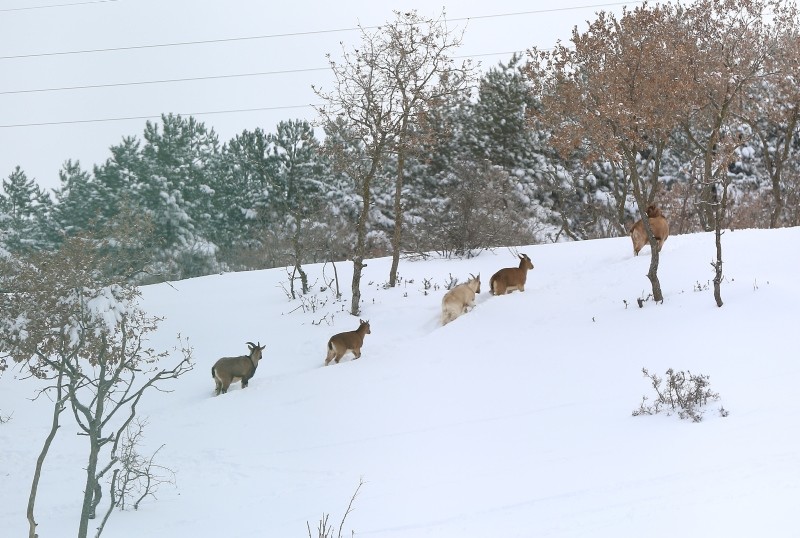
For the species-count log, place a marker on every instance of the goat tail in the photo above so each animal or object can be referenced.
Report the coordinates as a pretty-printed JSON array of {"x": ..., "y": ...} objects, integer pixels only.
[
  {"x": 330, "y": 345},
  {"x": 213, "y": 374}
]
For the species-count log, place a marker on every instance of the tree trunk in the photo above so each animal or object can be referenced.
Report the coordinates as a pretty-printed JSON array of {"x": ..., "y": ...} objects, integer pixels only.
[
  {"x": 719, "y": 216},
  {"x": 358, "y": 265},
  {"x": 361, "y": 240},
  {"x": 298, "y": 256},
  {"x": 718, "y": 267},
  {"x": 777, "y": 175},
  {"x": 58, "y": 407},
  {"x": 93, "y": 491},
  {"x": 652, "y": 273},
  {"x": 642, "y": 202},
  {"x": 89, "y": 494},
  {"x": 398, "y": 218}
]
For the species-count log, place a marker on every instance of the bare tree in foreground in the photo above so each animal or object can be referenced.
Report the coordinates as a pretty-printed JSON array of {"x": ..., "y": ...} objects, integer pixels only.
[{"x": 69, "y": 323}]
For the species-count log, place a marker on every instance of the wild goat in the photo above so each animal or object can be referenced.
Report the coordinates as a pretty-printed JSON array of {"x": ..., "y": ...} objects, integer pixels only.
[
  {"x": 228, "y": 370},
  {"x": 511, "y": 278},
  {"x": 460, "y": 299},
  {"x": 341, "y": 343},
  {"x": 658, "y": 224}
]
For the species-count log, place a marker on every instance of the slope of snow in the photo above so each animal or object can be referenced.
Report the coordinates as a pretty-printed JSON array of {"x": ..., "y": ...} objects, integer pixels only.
[{"x": 514, "y": 420}]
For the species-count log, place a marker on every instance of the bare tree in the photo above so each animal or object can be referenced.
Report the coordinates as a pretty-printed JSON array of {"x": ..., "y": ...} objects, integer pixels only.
[
  {"x": 358, "y": 136},
  {"x": 736, "y": 41},
  {"x": 418, "y": 63},
  {"x": 84, "y": 329},
  {"x": 380, "y": 90}
]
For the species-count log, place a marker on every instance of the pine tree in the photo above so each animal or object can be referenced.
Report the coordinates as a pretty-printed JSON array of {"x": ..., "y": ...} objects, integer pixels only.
[
  {"x": 26, "y": 208},
  {"x": 176, "y": 190},
  {"x": 77, "y": 199},
  {"x": 297, "y": 192},
  {"x": 241, "y": 197},
  {"x": 497, "y": 130}
]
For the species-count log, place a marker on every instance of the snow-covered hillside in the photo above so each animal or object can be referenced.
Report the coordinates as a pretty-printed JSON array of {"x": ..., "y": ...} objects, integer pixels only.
[{"x": 514, "y": 420}]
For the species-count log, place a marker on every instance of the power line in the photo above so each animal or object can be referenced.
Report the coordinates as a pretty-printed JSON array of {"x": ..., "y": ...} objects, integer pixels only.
[
  {"x": 152, "y": 116},
  {"x": 201, "y": 78},
  {"x": 548, "y": 10},
  {"x": 228, "y": 76},
  {"x": 165, "y": 81},
  {"x": 293, "y": 34},
  {"x": 49, "y": 6},
  {"x": 175, "y": 44}
]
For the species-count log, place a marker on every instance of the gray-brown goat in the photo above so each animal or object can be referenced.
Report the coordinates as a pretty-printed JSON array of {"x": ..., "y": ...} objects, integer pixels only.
[
  {"x": 341, "y": 343},
  {"x": 511, "y": 278},
  {"x": 229, "y": 370}
]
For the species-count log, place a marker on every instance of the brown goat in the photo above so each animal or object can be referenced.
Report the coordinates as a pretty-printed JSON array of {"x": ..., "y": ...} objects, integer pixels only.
[
  {"x": 658, "y": 224},
  {"x": 228, "y": 370},
  {"x": 460, "y": 299},
  {"x": 341, "y": 343},
  {"x": 511, "y": 278}
]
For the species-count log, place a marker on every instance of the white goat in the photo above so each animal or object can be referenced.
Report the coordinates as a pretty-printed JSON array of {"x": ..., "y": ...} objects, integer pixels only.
[{"x": 460, "y": 299}]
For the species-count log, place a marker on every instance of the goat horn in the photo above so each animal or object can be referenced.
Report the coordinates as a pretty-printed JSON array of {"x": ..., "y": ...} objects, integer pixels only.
[{"x": 251, "y": 345}]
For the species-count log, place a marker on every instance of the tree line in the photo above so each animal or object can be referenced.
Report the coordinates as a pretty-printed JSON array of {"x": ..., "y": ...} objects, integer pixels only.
[{"x": 686, "y": 105}]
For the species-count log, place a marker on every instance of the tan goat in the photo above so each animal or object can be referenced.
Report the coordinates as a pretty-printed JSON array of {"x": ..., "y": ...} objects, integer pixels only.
[
  {"x": 229, "y": 370},
  {"x": 658, "y": 224},
  {"x": 341, "y": 343},
  {"x": 460, "y": 299},
  {"x": 511, "y": 278}
]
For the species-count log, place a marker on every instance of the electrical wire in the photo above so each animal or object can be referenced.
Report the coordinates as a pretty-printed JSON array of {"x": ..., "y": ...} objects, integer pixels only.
[
  {"x": 153, "y": 116},
  {"x": 49, "y": 6},
  {"x": 294, "y": 34},
  {"x": 227, "y": 76},
  {"x": 206, "y": 77}
]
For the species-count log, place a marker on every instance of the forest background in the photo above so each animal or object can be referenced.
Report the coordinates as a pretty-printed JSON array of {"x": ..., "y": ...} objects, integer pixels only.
[{"x": 703, "y": 100}]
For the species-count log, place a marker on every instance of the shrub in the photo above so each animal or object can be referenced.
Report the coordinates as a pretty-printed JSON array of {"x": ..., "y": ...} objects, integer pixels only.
[{"x": 684, "y": 393}]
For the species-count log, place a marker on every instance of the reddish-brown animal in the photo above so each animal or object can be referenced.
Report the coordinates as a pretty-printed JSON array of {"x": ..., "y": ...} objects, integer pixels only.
[
  {"x": 658, "y": 224},
  {"x": 341, "y": 343},
  {"x": 511, "y": 278}
]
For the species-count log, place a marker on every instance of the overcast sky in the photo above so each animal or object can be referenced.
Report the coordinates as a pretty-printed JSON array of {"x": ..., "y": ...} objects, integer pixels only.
[{"x": 48, "y": 50}]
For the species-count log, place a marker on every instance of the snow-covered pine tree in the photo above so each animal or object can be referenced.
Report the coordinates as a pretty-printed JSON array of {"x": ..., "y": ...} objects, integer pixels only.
[
  {"x": 177, "y": 190},
  {"x": 78, "y": 202},
  {"x": 26, "y": 209}
]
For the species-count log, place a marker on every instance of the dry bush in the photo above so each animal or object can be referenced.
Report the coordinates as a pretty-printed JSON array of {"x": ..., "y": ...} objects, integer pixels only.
[
  {"x": 684, "y": 394},
  {"x": 325, "y": 529}
]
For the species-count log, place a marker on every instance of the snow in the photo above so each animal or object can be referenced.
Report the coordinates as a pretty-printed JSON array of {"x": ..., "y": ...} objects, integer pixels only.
[{"x": 513, "y": 420}]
